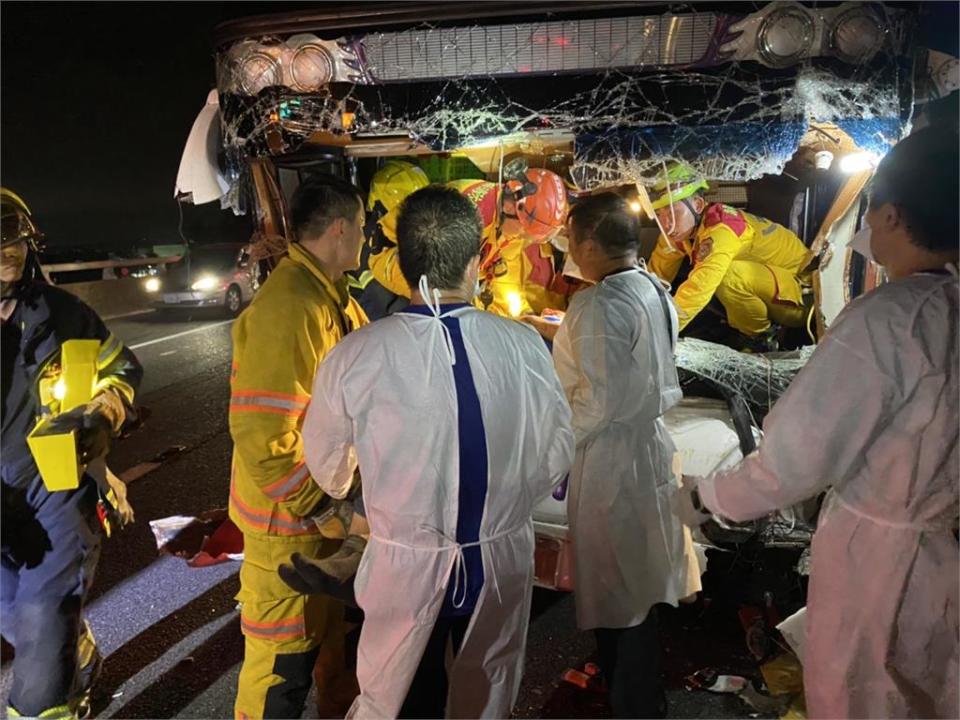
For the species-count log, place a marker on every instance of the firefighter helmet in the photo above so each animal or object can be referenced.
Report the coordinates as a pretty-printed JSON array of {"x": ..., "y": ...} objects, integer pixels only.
[
  {"x": 541, "y": 202},
  {"x": 678, "y": 183},
  {"x": 17, "y": 225},
  {"x": 393, "y": 183}
]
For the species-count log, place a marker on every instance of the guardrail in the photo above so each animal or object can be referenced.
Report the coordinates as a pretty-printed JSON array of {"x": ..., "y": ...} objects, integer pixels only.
[{"x": 106, "y": 264}]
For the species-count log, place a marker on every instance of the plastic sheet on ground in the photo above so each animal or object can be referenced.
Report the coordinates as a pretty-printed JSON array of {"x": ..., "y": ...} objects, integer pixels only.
[{"x": 209, "y": 539}]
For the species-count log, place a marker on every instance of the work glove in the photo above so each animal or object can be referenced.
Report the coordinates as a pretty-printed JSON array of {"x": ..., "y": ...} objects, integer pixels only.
[
  {"x": 115, "y": 490},
  {"x": 333, "y": 575},
  {"x": 333, "y": 517},
  {"x": 686, "y": 505},
  {"x": 96, "y": 424},
  {"x": 94, "y": 432}
]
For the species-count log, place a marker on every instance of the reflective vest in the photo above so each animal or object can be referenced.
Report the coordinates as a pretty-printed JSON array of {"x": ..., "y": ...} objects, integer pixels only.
[{"x": 278, "y": 343}]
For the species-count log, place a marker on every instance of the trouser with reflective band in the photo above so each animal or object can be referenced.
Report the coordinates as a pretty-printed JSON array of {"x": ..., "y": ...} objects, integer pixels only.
[
  {"x": 51, "y": 544},
  {"x": 754, "y": 295},
  {"x": 89, "y": 664},
  {"x": 286, "y": 633}
]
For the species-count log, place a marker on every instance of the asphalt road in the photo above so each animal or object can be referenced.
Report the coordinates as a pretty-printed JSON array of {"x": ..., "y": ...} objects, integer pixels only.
[{"x": 170, "y": 633}]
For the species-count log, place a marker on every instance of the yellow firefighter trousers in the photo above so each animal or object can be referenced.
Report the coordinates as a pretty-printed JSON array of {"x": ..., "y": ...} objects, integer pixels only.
[
  {"x": 754, "y": 295},
  {"x": 286, "y": 634}
]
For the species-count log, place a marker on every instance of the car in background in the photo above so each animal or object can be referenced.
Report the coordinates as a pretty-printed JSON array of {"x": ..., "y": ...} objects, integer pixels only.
[{"x": 219, "y": 275}]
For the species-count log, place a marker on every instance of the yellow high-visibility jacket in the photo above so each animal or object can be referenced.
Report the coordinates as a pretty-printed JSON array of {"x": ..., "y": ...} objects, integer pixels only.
[
  {"x": 532, "y": 280},
  {"x": 278, "y": 343},
  {"x": 726, "y": 234},
  {"x": 521, "y": 279}
]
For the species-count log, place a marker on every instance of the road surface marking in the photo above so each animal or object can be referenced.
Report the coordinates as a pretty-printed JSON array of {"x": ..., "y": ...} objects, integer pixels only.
[
  {"x": 168, "y": 352},
  {"x": 179, "y": 335}
]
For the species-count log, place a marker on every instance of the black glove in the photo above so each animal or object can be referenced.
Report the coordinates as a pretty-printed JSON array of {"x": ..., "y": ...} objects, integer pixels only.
[
  {"x": 333, "y": 575},
  {"x": 94, "y": 432}
]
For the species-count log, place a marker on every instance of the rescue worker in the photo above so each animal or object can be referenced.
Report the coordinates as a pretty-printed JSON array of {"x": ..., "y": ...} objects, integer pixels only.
[
  {"x": 51, "y": 539},
  {"x": 464, "y": 428},
  {"x": 752, "y": 265},
  {"x": 614, "y": 355},
  {"x": 388, "y": 188},
  {"x": 300, "y": 313},
  {"x": 874, "y": 414},
  {"x": 525, "y": 212}
]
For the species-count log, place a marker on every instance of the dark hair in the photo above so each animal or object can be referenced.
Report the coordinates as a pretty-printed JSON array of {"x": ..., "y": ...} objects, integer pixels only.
[
  {"x": 320, "y": 200},
  {"x": 608, "y": 220},
  {"x": 438, "y": 233},
  {"x": 920, "y": 177}
]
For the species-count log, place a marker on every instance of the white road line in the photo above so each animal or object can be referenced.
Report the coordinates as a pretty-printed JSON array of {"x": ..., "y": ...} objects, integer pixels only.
[
  {"x": 168, "y": 352},
  {"x": 178, "y": 335}
]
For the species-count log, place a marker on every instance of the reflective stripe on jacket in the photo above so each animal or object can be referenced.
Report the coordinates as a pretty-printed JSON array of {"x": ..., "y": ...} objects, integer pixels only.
[
  {"x": 278, "y": 343},
  {"x": 726, "y": 234}
]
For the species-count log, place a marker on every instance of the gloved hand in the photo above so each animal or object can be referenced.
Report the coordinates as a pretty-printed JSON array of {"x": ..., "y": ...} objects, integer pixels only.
[
  {"x": 94, "y": 432},
  {"x": 333, "y": 520},
  {"x": 333, "y": 575},
  {"x": 686, "y": 505},
  {"x": 334, "y": 517}
]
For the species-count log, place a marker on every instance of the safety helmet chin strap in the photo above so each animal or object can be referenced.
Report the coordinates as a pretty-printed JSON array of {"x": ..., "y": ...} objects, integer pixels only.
[{"x": 697, "y": 216}]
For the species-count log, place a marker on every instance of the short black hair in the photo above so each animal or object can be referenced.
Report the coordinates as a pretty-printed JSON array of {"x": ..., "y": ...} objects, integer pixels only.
[
  {"x": 321, "y": 199},
  {"x": 608, "y": 220},
  {"x": 920, "y": 177},
  {"x": 438, "y": 233}
]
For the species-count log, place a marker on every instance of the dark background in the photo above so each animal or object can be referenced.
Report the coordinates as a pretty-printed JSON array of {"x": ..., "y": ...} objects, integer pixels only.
[{"x": 97, "y": 100}]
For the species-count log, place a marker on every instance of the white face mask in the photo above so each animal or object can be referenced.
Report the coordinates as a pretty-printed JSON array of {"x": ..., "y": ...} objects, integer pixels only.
[{"x": 860, "y": 242}]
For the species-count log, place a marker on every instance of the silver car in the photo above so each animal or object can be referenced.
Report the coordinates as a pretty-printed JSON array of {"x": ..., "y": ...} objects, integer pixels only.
[{"x": 218, "y": 275}]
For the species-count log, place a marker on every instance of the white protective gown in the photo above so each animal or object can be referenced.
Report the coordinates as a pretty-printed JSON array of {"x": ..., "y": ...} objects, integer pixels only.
[
  {"x": 874, "y": 414},
  {"x": 386, "y": 395},
  {"x": 614, "y": 356}
]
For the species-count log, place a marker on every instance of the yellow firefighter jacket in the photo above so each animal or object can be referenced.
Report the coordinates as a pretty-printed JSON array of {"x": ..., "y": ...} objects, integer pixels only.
[
  {"x": 278, "y": 343},
  {"x": 521, "y": 280},
  {"x": 726, "y": 234}
]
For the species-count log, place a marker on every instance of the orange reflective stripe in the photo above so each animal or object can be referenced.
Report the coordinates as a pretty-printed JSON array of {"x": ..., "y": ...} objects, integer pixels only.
[
  {"x": 304, "y": 399},
  {"x": 287, "y": 628},
  {"x": 268, "y": 402},
  {"x": 272, "y": 520},
  {"x": 253, "y": 407},
  {"x": 289, "y": 483}
]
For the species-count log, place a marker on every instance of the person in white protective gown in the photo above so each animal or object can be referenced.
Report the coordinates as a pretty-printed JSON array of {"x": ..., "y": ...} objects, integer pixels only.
[
  {"x": 874, "y": 415},
  {"x": 460, "y": 427},
  {"x": 614, "y": 355}
]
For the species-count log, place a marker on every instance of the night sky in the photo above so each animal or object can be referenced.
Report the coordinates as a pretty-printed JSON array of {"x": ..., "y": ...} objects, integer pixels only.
[
  {"x": 97, "y": 102},
  {"x": 98, "y": 99}
]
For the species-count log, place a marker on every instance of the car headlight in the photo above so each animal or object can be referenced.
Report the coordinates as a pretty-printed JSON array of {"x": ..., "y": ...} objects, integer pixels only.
[
  {"x": 207, "y": 282},
  {"x": 152, "y": 285}
]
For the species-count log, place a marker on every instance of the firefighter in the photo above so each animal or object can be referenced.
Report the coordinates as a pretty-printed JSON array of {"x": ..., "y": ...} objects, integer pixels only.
[
  {"x": 388, "y": 188},
  {"x": 753, "y": 265},
  {"x": 51, "y": 538},
  {"x": 302, "y": 311},
  {"x": 520, "y": 218}
]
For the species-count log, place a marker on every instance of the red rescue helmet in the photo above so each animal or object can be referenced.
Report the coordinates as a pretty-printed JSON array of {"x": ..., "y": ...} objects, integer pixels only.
[{"x": 541, "y": 203}]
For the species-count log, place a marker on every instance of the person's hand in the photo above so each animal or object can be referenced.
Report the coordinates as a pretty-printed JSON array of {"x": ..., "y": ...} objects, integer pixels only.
[
  {"x": 93, "y": 431},
  {"x": 333, "y": 575},
  {"x": 547, "y": 324},
  {"x": 686, "y": 504}
]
